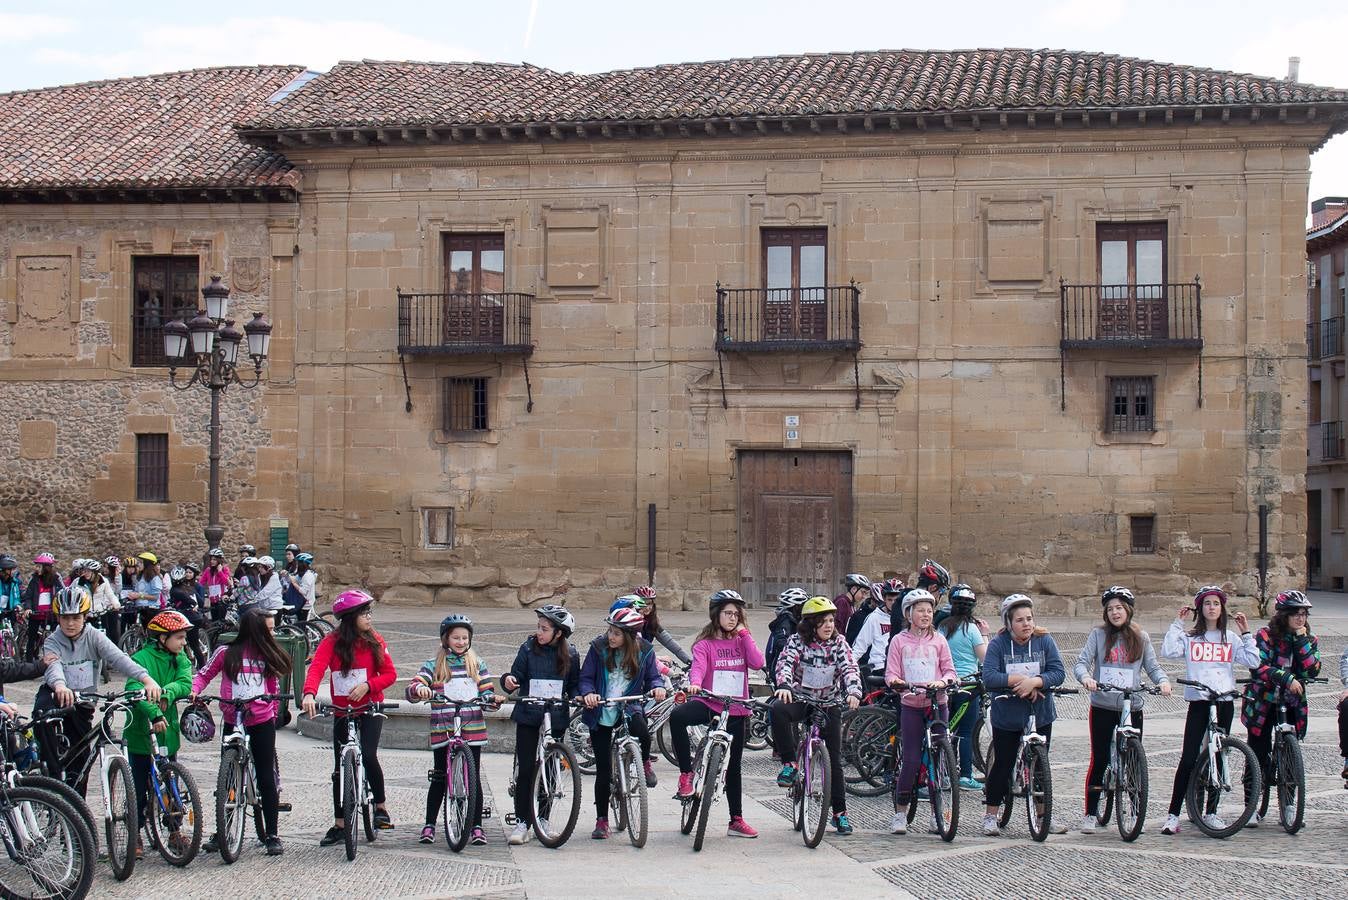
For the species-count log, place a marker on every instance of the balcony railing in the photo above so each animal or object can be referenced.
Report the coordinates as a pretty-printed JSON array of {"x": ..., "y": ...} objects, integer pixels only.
[
  {"x": 1313, "y": 341},
  {"x": 1330, "y": 442},
  {"x": 1331, "y": 337},
  {"x": 464, "y": 324},
  {"x": 1140, "y": 316},
  {"x": 788, "y": 319}
]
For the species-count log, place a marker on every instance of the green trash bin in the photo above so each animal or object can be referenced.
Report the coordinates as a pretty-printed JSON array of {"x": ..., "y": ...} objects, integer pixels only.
[{"x": 297, "y": 648}]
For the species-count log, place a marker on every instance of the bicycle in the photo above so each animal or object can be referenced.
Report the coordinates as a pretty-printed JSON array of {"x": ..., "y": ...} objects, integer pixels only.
[
  {"x": 461, "y": 784},
  {"x": 48, "y": 849},
  {"x": 236, "y": 781},
  {"x": 657, "y": 716},
  {"x": 938, "y": 771},
  {"x": 355, "y": 789},
  {"x": 555, "y": 769},
  {"x": 104, "y": 741},
  {"x": 22, "y": 767},
  {"x": 1126, "y": 779},
  {"x": 1031, "y": 777},
  {"x": 1286, "y": 769},
  {"x": 134, "y": 636},
  {"x": 812, "y": 786},
  {"x": 9, "y": 640},
  {"x": 627, "y": 800},
  {"x": 1212, "y": 775},
  {"x": 709, "y": 768},
  {"x": 175, "y": 804}
]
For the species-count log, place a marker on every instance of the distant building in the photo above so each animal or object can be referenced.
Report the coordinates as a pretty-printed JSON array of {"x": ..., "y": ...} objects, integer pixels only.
[{"x": 1326, "y": 468}]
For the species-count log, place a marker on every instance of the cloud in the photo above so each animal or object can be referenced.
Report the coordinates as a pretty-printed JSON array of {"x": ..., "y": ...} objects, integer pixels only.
[
  {"x": 272, "y": 39},
  {"x": 15, "y": 27},
  {"x": 1089, "y": 15}
]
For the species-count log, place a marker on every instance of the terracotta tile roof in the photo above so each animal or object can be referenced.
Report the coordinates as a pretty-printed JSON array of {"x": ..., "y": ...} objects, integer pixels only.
[
  {"x": 373, "y": 93},
  {"x": 174, "y": 130}
]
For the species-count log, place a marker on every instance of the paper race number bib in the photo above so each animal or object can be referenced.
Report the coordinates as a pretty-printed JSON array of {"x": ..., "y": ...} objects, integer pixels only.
[
  {"x": 248, "y": 685},
  {"x": 79, "y": 675},
  {"x": 545, "y": 688},
  {"x": 1119, "y": 677},
  {"x": 817, "y": 678},
  {"x": 461, "y": 689},
  {"x": 1219, "y": 678},
  {"x": 1210, "y": 652},
  {"x": 343, "y": 683},
  {"x": 728, "y": 683},
  {"x": 214, "y": 591},
  {"x": 44, "y": 599},
  {"x": 1028, "y": 669},
  {"x": 919, "y": 669}
]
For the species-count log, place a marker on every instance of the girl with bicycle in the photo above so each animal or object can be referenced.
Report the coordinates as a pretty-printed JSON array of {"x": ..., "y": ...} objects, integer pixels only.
[
  {"x": 967, "y": 636},
  {"x": 1116, "y": 652},
  {"x": 642, "y": 599},
  {"x": 39, "y": 599},
  {"x": 217, "y": 581},
  {"x": 1022, "y": 661},
  {"x": 619, "y": 663},
  {"x": 253, "y": 666},
  {"x": 1210, "y": 651},
  {"x": 1288, "y": 653},
  {"x": 723, "y": 654},
  {"x": 816, "y": 665},
  {"x": 545, "y": 666},
  {"x": 919, "y": 657},
  {"x": 460, "y": 674},
  {"x": 164, "y": 659},
  {"x": 361, "y": 669}
]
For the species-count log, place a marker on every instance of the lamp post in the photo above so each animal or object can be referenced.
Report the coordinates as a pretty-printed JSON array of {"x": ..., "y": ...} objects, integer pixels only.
[{"x": 209, "y": 344}]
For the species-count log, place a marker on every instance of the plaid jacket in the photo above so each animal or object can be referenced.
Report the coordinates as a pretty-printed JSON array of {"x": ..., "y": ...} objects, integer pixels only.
[{"x": 1280, "y": 662}]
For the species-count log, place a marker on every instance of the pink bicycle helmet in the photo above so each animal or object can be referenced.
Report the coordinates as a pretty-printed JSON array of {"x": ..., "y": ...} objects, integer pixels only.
[
  {"x": 645, "y": 592},
  {"x": 626, "y": 618},
  {"x": 44, "y": 559},
  {"x": 350, "y": 601}
]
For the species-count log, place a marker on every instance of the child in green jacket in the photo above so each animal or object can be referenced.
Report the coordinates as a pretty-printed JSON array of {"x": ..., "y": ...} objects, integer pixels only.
[{"x": 165, "y": 661}]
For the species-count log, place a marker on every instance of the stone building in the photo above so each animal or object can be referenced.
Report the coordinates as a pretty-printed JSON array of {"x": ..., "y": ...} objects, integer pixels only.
[
  {"x": 1326, "y": 470},
  {"x": 765, "y": 321}
]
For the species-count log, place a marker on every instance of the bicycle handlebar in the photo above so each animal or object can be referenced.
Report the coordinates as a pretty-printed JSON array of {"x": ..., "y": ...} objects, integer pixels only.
[
  {"x": 265, "y": 698},
  {"x": 1101, "y": 686},
  {"x": 614, "y": 701},
  {"x": 448, "y": 701},
  {"x": 546, "y": 701},
  {"x": 1052, "y": 690},
  {"x": 1209, "y": 691},
  {"x": 328, "y": 709}
]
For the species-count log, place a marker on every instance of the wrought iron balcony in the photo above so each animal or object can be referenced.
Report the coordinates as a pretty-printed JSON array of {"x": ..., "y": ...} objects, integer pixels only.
[
  {"x": 788, "y": 319},
  {"x": 1331, "y": 337},
  {"x": 1313, "y": 341},
  {"x": 464, "y": 324},
  {"x": 1135, "y": 316},
  {"x": 1331, "y": 441}
]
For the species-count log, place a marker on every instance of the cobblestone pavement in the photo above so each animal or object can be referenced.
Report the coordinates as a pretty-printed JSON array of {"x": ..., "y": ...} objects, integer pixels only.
[{"x": 870, "y": 863}]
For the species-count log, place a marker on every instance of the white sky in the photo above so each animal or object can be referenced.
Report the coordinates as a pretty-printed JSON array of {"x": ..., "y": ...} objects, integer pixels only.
[{"x": 82, "y": 40}]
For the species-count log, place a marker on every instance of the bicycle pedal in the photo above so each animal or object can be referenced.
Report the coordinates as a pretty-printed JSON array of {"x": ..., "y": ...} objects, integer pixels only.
[
  {"x": 487, "y": 811},
  {"x": 510, "y": 819}
]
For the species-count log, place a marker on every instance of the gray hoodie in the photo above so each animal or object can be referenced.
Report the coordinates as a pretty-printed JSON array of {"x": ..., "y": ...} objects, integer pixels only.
[
  {"x": 79, "y": 664},
  {"x": 1092, "y": 659}
]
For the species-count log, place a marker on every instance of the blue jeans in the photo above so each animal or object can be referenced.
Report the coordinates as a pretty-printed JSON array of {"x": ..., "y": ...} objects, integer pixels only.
[{"x": 964, "y": 728}]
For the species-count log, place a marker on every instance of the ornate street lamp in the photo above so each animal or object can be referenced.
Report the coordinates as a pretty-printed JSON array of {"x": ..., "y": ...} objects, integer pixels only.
[{"x": 209, "y": 344}]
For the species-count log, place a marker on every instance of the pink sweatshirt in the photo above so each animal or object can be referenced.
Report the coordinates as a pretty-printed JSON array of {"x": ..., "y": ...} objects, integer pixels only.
[
  {"x": 732, "y": 659},
  {"x": 919, "y": 659},
  {"x": 252, "y": 675}
]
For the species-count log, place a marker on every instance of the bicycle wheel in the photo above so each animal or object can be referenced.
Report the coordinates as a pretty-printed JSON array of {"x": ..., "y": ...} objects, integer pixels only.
[
  {"x": 875, "y": 751},
  {"x": 555, "y": 796},
  {"x": 578, "y": 739},
  {"x": 815, "y": 795},
  {"x": 664, "y": 740},
  {"x": 758, "y": 733},
  {"x": 982, "y": 738},
  {"x": 1038, "y": 791},
  {"x": 460, "y": 795},
  {"x": 715, "y": 762},
  {"x": 49, "y": 850},
  {"x": 174, "y": 815},
  {"x": 847, "y": 743},
  {"x": 1291, "y": 784},
  {"x": 943, "y": 786},
  {"x": 120, "y": 825},
  {"x": 289, "y": 631},
  {"x": 66, "y": 793},
  {"x": 636, "y": 815},
  {"x": 1008, "y": 804},
  {"x": 231, "y": 804},
  {"x": 1219, "y": 808},
  {"x": 133, "y": 639},
  {"x": 688, "y": 815},
  {"x": 1130, "y": 789},
  {"x": 350, "y": 789},
  {"x": 367, "y": 815}
]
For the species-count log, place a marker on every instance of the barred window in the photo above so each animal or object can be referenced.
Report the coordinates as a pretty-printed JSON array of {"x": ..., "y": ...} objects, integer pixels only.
[
  {"x": 164, "y": 288},
  {"x": 1132, "y": 404},
  {"x": 1142, "y": 534},
  {"x": 437, "y": 528},
  {"x": 152, "y": 468},
  {"x": 465, "y": 404}
]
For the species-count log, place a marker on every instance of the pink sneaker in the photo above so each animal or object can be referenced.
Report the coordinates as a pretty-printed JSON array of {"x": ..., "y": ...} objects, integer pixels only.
[
  {"x": 685, "y": 786},
  {"x": 740, "y": 828}
]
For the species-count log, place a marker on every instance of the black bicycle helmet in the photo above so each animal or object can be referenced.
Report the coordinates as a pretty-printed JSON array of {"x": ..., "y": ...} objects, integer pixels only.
[
  {"x": 962, "y": 597},
  {"x": 455, "y": 620},
  {"x": 1118, "y": 592},
  {"x": 722, "y": 597}
]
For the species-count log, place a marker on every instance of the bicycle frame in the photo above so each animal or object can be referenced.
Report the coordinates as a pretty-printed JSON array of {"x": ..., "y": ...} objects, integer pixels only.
[
  {"x": 545, "y": 740},
  {"x": 100, "y": 738}
]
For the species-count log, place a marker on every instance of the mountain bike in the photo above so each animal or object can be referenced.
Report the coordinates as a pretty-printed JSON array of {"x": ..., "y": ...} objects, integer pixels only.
[
  {"x": 174, "y": 816},
  {"x": 9, "y": 640},
  {"x": 461, "y": 784},
  {"x": 355, "y": 789},
  {"x": 1287, "y": 769},
  {"x": 1125, "y": 781},
  {"x": 627, "y": 801},
  {"x": 236, "y": 781},
  {"x": 709, "y": 768},
  {"x": 939, "y": 770},
  {"x": 1223, "y": 761},
  {"x": 1030, "y": 774},
  {"x": 811, "y": 790},
  {"x": 554, "y": 794}
]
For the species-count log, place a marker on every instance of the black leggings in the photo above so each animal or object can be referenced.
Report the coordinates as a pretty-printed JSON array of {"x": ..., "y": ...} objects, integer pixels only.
[
  {"x": 694, "y": 712},
  {"x": 439, "y": 779},
  {"x": 601, "y": 736},
  {"x": 783, "y": 716},
  {"x": 37, "y": 634},
  {"x": 1195, "y": 725},
  {"x": 1005, "y": 749},
  {"x": 526, "y": 748},
  {"x": 262, "y": 744},
  {"x": 1343, "y": 729},
  {"x": 369, "y": 728},
  {"x": 112, "y": 626},
  {"x": 1102, "y": 724}
]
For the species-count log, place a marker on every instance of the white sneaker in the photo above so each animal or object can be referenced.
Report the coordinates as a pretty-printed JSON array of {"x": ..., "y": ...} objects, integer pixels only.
[
  {"x": 1171, "y": 826},
  {"x": 899, "y": 824},
  {"x": 519, "y": 835},
  {"x": 934, "y": 827},
  {"x": 1056, "y": 827},
  {"x": 1289, "y": 813},
  {"x": 990, "y": 828},
  {"x": 1214, "y": 821},
  {"x": 1254, "y": 821},
  {"x": 1089, "y": 824}
]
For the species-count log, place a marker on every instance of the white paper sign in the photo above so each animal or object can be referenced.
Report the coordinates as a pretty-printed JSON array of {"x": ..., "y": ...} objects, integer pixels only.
[
  {"x": 1118, "y": 676},
  {"x": 44, "y": 599},
  {"x": 461, "y": 689},
  {"x": 728, "y": 683},
  {"x": 545, "y": 688},
  {"x": 817, "y": 678},
  {"x": 344, "y": 683},
  {"x": 919, "y": 670},
  {"x": 79, "y": 675},
  {"x": 1028, "y": 669}
]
